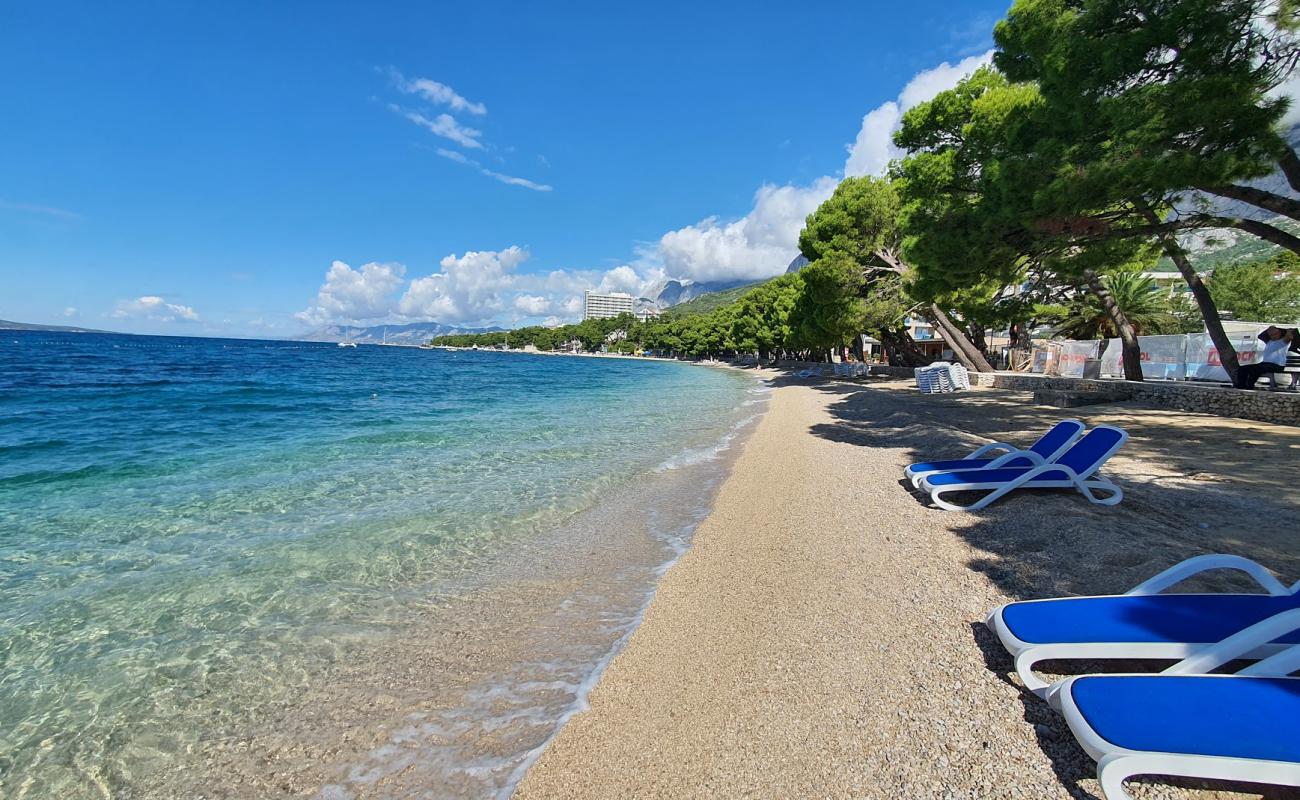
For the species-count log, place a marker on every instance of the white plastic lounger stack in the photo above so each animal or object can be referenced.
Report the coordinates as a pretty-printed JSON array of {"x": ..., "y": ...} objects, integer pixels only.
[{"x": 941, "y": 377}]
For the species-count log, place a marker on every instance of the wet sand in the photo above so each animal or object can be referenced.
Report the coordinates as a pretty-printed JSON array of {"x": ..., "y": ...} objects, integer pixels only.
[{"x": 823, "y": 636}]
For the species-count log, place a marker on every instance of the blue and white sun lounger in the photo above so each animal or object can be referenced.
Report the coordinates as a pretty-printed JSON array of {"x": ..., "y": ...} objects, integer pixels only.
[
  {"x": 1190, "y": 723},
  {"x": 1142, "y": 623},
  {"x": 1073, "y": 470},
  {"x": 1051, "y": 445}
]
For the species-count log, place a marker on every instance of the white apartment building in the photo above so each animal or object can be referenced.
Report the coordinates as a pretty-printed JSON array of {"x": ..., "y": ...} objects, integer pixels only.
[{"x": 599, "y": 305}]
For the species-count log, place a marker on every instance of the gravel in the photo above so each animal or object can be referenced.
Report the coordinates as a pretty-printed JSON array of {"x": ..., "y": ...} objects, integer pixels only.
[{"x": 823, "y": 637}]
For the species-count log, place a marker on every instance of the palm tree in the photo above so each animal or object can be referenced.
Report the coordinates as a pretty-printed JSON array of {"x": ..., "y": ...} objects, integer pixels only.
[{"x": 1141, "y": 300}]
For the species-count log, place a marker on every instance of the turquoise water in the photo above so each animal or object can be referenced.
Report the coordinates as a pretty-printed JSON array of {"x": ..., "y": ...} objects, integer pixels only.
[{"x": 190, "y": 528}]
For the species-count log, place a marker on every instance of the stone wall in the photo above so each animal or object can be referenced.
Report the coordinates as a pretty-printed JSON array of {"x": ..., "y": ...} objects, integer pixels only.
[{"x": 1224, "y": 401}]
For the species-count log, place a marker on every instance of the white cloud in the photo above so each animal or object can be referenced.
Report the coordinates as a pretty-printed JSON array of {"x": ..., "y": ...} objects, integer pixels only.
[
  {"x": 514, "y": 181},
  {"x": 1290, "y": 89},
  {"x": 349, "y": 295},
  {"x": 468, "y": 288},
  {"x": 874, "y": 147},
  {"x": 153, "y": 308},
  {"x": 47, "y": 211},
  {"x": 443, "y": 125},
  {"x": 71, "y": 312},
  {"x": 533, "y": 305},
  {"x": 622, "y": 279},
  {"x": 461, "y": 158},
  {"x": 758, "y": 245},
  {"x": 763, "y": 242},
  {"x": 439, "y": 93}
]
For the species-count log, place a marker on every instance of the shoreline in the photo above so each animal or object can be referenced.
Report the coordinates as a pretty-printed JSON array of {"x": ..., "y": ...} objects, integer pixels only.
[
  {"x": 464, "y": 702},
  {"x": 823, "y": 635}
]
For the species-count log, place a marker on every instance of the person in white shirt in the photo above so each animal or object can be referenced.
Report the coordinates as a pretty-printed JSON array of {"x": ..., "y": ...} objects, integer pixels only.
[{"x": 1277, "y": 342}]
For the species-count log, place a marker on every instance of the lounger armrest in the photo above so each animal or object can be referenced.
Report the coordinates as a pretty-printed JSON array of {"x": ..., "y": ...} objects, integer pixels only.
[
  {"x": 1029, "y": 455},
  {"x": 991, "y": 447},
  {"x": 1239, "y": 645},
  {"x": 1195, "y": 566}
]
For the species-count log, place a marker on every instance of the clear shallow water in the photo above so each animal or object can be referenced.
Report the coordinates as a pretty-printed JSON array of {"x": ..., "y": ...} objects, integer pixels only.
[{"x": 192, "y": 531}]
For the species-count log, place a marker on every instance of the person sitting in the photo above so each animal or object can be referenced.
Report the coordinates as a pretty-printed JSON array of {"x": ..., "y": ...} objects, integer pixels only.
[{"x": 1273, "y": 357}]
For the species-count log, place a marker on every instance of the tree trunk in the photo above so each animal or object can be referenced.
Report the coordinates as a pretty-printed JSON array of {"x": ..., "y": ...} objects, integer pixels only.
[
  {"x": 1269, "y": 233},
  {"x": 901, "y": 350},
  {"x": 1209, "y": 311},
  {"x": 1132, "y": 351},
  {"x": 1022, "y": 347},
  {"x": 977, "y": 339},
  {"x": 858, "y": 351},
  {"x": 967, "y": 353},
  {"x": 1290, "y": 165},
  {"x": 1260, "y": 198}
]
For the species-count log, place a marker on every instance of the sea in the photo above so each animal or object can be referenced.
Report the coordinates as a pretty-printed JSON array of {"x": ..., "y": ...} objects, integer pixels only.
[{"x": 235, "y": 568}]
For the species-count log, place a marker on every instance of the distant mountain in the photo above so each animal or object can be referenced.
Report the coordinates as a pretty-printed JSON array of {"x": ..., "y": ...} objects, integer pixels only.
[
  {"x": 6, "y": 325},
  {"x": 799, "y": 263},
  {"x": 669, "y": 293},
  {"x": 1214, "y": 247},
  {"x": 411, "y": 333}
]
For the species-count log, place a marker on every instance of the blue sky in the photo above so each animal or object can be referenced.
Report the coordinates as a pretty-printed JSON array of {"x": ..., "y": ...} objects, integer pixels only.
[{"x": 262, "y": 168}]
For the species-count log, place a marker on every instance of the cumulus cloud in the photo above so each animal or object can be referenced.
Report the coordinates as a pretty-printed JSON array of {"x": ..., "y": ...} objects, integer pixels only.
[
  {"x": 435, "y": 92},
  {"x": 350, "y": 295},
  {"x": 874, "y": 148},
  {"x": 443, "y": 125},
  {"x": 533, "y": 305},
  {"x": 763, "y": 242},
  {"x": 622, "y": 279},
  {"x": 71, "y": 312},
  {"x": 467, "y": 288},
  {"x": 461, "y": 158},
  {"x": 154, "y": 308},
  {"x": 758, "y": 245}
]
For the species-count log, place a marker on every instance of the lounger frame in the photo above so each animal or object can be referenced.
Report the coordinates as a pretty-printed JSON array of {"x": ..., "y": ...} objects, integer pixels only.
[
  {"x": 1117, "y": 764},
  {"x": 1027, "y": 654},
  {"x": 1012, "y": 453}
]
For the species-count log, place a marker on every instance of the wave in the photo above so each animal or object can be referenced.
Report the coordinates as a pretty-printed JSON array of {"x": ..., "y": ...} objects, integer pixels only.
[{"x": 693, "y": 456}]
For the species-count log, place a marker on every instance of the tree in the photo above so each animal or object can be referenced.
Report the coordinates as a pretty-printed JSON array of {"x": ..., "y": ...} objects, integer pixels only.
[
  {"x": 1142, "y": 301},
  {"x": 1260, "y": 291},
  {"x": 1153, "y": 99},
  {"x": 979, "y": 153},
  {"x": 860, "y": 223},
  {"x": 829, "y": 311},
  {"x": 1160, "y": 96}
]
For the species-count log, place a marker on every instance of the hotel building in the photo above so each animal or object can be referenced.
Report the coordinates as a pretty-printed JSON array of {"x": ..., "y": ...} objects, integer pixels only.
[{"x": 599, "y": 305}]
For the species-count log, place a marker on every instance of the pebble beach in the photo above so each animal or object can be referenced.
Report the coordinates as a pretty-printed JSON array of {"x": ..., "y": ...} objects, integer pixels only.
[{"x": 823, "y": 636}]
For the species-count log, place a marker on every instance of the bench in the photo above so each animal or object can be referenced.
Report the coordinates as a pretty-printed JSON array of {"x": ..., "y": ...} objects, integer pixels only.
[{"x": 1291, "y": 369}]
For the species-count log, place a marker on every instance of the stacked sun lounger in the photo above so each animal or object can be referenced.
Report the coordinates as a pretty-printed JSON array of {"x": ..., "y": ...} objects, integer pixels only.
[
  {"x": 852, "y": 369},
  {"x": 941, "y": 377}
]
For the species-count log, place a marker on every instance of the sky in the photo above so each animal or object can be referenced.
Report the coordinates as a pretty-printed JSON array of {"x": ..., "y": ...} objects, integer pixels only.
[{"x": 262, "y": 169}]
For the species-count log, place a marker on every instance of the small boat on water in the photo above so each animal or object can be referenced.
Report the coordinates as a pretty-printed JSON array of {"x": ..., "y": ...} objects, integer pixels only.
[{"x": 347, "y": 344}]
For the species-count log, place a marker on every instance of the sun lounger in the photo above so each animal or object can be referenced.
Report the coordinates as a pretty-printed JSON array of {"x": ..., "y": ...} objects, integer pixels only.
[
  {"x": 1076, "y": 469},
  {"x": 1050, "y": 445},
  {"x": 1187, "y": 722},
  {"x": 1142, "y": 623}
]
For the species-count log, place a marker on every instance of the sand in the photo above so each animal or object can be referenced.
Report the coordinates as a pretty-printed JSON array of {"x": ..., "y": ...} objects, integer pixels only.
[{"x": 823, "y": 636}]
